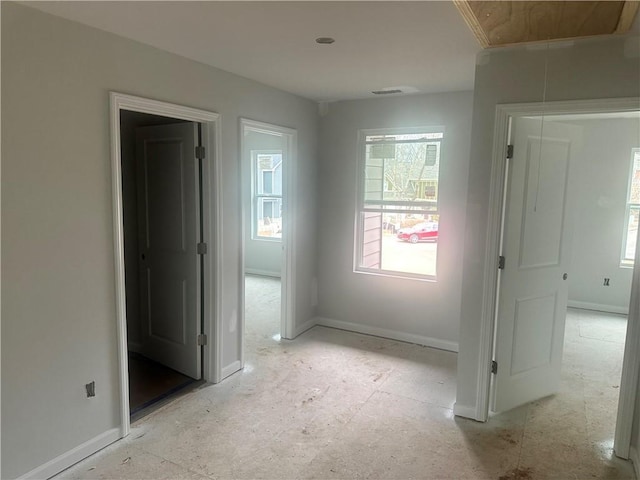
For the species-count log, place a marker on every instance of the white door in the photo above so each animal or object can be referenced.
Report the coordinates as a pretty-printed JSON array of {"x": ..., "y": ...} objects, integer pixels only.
[
  {"x": 169, "y": 230},
  {"x": 536, "y": 245}
]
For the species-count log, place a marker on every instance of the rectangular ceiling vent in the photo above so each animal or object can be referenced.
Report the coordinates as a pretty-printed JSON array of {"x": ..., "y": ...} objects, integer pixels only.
[{"x": 386, "y": 92}]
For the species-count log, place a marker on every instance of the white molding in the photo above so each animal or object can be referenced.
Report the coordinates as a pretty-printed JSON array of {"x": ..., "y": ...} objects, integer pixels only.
[
  {"x": 212, "y": 265},
  {"x": 118, "y": 233},
  {"x": 390, "y": 334},
  {"x": 231, "y": 369},
  {"x": 635, "y": 460},
  {"x": 504, "y": 112},
  {"x": 464, "y": 411},
  {"x": 308, "y": 325},
  {"x": 214, "y": 228},
  {"x": 491, "y": 272},
  {"x": 598, "y": 307},
  {"x": 289, "y": 245},
  {"x": 73, "y": 456},
  {"x": 261, "y": 273}
]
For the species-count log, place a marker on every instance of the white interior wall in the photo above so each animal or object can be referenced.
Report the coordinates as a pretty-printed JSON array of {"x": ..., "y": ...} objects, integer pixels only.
[
  {"x": 421, "y": 311},
  {"x": 262, "y": 257},
  {"x": 58, "y": 309},
  {"x": 599, "y": 218},
  {"x": 581, "y": 70}
]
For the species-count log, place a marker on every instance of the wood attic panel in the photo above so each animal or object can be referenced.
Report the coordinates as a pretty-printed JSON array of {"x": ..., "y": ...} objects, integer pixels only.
[{"x": 500, "y": 23}]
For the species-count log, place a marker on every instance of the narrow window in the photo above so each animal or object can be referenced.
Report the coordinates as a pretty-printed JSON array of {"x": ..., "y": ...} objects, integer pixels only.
[
  {"x": 632, "y": 212},
  {"x": 398, "y": 215},
  {"x": 267, "y": 195}
]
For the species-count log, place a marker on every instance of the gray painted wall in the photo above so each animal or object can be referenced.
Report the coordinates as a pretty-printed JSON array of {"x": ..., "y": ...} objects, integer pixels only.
[
  {"x": 589, "y": 69},
  {"x": 261, "y": 256},
  {"x": 405, "y": 306},
  {"x": 58, "y": 309},
  {"x": 599, "y": 218}
]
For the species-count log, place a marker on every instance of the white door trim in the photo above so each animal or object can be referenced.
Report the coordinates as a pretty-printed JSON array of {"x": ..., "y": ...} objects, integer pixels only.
[
  {"x": 289, "y": 192},
  {"x": 212, "y": 207},
  {"x": 631, "y": 363}
]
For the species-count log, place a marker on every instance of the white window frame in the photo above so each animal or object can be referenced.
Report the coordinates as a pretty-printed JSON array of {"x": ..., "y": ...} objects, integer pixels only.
[
  {"x": 255, "y": 196},
  {"x": 624, "y": 261},
  {"x": 360, "y": 191}
]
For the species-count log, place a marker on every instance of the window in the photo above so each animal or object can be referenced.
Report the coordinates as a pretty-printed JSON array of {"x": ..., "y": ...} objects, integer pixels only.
[
  {"x": 632, "y": 212},
  {"x": 398, "y": 215},
  {"x": 267, "y": 195}
]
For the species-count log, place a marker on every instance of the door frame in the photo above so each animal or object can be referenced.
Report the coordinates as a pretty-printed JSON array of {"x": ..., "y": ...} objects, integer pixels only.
[
  {"x": 287, "y": 275},
  {"x": 211, "y": 217},
  {"x": 631, "y": 362}
]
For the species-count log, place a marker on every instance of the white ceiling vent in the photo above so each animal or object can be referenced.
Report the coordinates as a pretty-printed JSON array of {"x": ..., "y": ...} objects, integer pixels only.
[
  {"x": 386, "y": 91},
  {"x": 395, "y": 89}
]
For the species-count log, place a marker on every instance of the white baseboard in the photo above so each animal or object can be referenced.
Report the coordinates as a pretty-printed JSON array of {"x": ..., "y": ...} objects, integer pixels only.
[
  {"x": 300, "y": 329},
  {"x": 635, "y": 459},
  {"x": 464, "y": 411},
  {"x": 73, "y": 456},
  {"x": 386, "y": 333},
  {"x": 262, "y": 273},
  {"x": 599, "y": 307},
  {"x": 231, "y": 369}
]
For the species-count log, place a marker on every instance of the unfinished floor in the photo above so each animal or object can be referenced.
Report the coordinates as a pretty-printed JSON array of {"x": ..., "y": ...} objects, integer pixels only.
[{"x": 334, "y": 404}]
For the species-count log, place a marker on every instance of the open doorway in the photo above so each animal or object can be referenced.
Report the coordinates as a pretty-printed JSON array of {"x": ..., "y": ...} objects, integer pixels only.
[
  {"x": 267, "y": 157},
  {"x": 162, "y": 227},
  {"x": 567, "y": 230},
  {"x": 172, "y": 250},
  {"x": 605, "y": 226}
]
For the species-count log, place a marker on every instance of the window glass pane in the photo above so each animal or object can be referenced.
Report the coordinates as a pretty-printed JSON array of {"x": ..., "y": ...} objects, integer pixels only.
[
  {"x": 269, "y": 174},
  {"x": 269, "y": 217},
  {"x": 410, "y": 243},
  {"x": 402, "y": 168},
  {"x": 267, "y": 195},
  {"x": 634, "y": 191},
  {"x": 398, "y": 227},
  {"x": 631, "y": 233}
]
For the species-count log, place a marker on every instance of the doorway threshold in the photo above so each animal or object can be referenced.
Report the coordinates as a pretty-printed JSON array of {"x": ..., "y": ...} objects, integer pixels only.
[{"x": 155, "y": 403}]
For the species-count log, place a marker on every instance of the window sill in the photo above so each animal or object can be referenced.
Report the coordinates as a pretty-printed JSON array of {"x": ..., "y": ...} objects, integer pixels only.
[
  {"x": 267, "y": 239},
  {"x": 398, "y": 275}
]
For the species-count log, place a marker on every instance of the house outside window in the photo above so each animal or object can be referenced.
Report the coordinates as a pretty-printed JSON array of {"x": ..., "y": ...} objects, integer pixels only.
[
  {"x": 397, "y": 212},
  {"x": 266, "y": 203},
  {"x": 632, "y": 215}
]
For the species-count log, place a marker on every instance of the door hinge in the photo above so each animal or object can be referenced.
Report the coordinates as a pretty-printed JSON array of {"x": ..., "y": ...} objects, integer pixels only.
[
  {"x": 202, "y": 248},
  {"x": 509, "y": 151},
  {"x": 501, "y": 262},
  {"x": 494, "y": 367},
  {"x": 202, "y": 339},
  {"x": 200, "y": 153}
]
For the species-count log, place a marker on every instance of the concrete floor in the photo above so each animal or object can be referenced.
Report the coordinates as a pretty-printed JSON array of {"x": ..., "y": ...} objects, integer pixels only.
[{"x": 334, "y": 404}]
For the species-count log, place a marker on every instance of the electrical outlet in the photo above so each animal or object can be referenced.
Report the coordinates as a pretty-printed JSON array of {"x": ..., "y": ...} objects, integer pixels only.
[
  {"x": 606, "y": 282},
  {"x": 91, "y": 389}
]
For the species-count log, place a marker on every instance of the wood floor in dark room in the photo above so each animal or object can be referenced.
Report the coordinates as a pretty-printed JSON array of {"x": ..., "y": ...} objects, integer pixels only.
[{"x": 150, "y": 382}]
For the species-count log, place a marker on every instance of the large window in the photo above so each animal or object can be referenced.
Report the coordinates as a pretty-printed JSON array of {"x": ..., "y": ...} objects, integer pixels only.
[
  {"x": 398, "y": 215},
  {"x": 630, "y": 233},
  {"x": 267, "y": 195}
]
